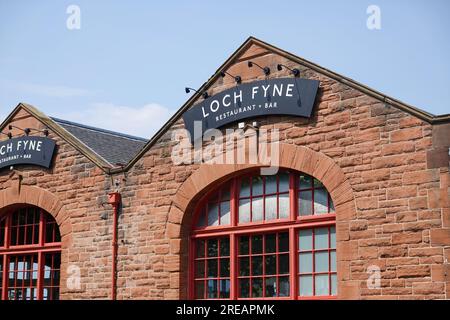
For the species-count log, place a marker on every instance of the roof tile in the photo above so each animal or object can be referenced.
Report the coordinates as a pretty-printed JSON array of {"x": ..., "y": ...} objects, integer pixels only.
[{"x": 116, "y": 148}]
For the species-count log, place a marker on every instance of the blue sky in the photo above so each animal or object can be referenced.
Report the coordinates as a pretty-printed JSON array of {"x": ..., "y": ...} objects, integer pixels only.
[{"x": 125, "y": 69}]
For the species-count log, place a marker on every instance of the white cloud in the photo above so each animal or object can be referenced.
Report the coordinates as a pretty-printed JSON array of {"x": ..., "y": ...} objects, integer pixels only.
[
  {"x": 139, "y": 121},
  {"x": 44, "y": 90}
]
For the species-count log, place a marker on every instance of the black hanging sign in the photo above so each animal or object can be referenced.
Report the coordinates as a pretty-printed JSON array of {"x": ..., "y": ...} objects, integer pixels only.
[
  {"x": 26, "y": 150},
  {"x": 282, "y": 96}
]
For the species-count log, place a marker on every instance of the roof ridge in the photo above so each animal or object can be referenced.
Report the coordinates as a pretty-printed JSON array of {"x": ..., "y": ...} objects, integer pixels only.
[{"x": 101, "y": 130}]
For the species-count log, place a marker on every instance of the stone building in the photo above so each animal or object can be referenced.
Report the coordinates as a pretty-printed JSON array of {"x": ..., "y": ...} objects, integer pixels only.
[{"x": 359, "y": 208}]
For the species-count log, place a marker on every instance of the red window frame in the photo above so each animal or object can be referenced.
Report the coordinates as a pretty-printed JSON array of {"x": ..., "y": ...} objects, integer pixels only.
[
  {"x": 313, "y": 251},
  {"x": 263, "y": 254},
  {"x": 292, "y": 224},
  {"x": 218, "y": 200},
  {"x": 205, "y": 259},
  {"x": 15, "y": 251}
]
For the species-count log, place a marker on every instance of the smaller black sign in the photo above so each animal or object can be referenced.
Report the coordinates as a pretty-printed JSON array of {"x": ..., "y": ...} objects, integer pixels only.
[
  {"x": 27, "y": 150},
  {"x": 281, "y": 96}
]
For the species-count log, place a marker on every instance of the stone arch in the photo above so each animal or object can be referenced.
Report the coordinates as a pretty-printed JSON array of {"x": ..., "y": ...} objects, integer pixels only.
[
  {"x": 293, "y": 157},
  {"x": 29, "y": 195}
]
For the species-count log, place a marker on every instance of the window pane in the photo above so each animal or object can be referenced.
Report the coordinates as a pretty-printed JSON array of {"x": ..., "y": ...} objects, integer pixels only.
[
  {"x": 200, "y": 248},
  {"x": 224, "y": 288},
  {"x": 283, "y": 182},
  {"x": 212, "y": 289},
  {"x": 333, "y": 284},
  {"x": 305, "y": 286},
  {"x": 305, "y": 262},
  {"x": 244, "y": 266},
  {"x": 333, "y": 237},
  {"x": 257, "y": 287},
  {"x": 271, "y": 207},
  {"x": 244, "y": 288},
  {"x": 225, "y": 213},
  {"x": 224, "y": 247},
  {"x": 225, "y": 267},
  {"x": 283, "y": 283},
  {"x": 212, "y": 268},
  {"x": 245, "y": 188},
  {"x": 317, "y": 183},
  {"x": 243, "y": 245},
  {"x": 257, "y": 209},
  {"x": 257, "y": 186},
  {"x": 283, "y": 263},
  {"x": 271, "y": 287},
  {"x": 320, "y": 201},
  {"x": 257, "y": 244},
  {"x": 50, "y": 233},
  {"x": 29, "y": 293},
  {"x": 225, "y": 193},
  {"x": 271, "y": 184},
  {"x": 36, "y": 216},
  {"x": 321, "y": 285},
  {"x": 21, "y": 236},
  {"x": 284, "y": 206},
  {"x": 270, "y": 264},
  {"x": 212, "y": 248},
  {"x": 305, "y": 239},
  {"x": 271, "y": 243},
  {"x": 333, "y": 260},
  {"x": 13, "y": 237},
  {"x": 321, "y": 261},
  {"x": 199, "y": 289},
  {"x": 305, "y": 181},
  {"x": 331, "y": 205},
  {"x": 244, "y": 210},
  {"x": 321, "y": 238},
  {"x": 58, "y": 236},
  {"x": 257, "y": 266},
  {"x": 213, "y": 214},
  {"x": 283, "y": 242},
  {"x": 214, "y": 197},
  {"x": 305, "y": 203},
  {"x": 200, "y": 269},
  {"x": 201, "y": 219}
]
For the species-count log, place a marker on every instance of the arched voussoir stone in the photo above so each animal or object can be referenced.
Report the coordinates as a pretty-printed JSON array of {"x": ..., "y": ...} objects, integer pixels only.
[
  {"x": 293, "y": 157},
  {"x": 35, "y": 196}
]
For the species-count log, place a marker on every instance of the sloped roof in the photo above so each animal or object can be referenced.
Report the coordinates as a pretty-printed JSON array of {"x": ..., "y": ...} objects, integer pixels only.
[{"x": 116, "y": 148}]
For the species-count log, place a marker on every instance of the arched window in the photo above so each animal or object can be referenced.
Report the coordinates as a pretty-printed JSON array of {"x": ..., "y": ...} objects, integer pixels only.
[
  {"x": 30, "y": 255},
  {"x": 257, "y": 237}
]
